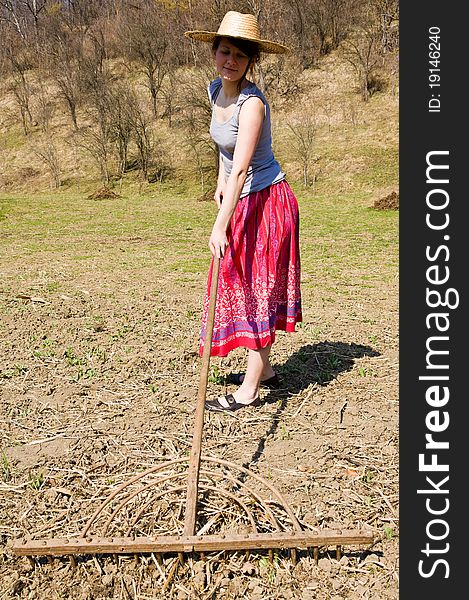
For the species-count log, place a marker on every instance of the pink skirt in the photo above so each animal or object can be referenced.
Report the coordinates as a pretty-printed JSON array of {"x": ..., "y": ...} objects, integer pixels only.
[{"x": 259, "y": 281}]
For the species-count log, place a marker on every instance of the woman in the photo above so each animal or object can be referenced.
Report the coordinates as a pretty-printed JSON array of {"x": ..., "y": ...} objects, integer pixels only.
[{"x": 256, "y": 229}]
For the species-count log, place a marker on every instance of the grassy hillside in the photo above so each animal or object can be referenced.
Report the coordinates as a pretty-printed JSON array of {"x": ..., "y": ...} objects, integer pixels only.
[{"x": 354, "y": 149}]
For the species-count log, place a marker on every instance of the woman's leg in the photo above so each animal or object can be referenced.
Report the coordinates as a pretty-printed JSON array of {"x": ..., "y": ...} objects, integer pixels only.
[{"x": 258, "y": 368}]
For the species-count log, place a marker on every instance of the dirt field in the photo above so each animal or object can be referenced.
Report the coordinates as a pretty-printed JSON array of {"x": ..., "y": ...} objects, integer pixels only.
[{"x": 100, "y": 304}]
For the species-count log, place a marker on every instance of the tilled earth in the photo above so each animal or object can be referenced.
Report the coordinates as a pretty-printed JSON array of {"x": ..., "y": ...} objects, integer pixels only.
[{"x": 98, "y": 382}]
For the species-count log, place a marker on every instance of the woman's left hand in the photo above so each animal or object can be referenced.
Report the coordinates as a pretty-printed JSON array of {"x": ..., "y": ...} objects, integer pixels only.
[{"x": 218, "y": 242}]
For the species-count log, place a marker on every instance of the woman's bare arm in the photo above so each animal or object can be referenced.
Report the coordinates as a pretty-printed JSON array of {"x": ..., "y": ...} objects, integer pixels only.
[{"x": 251, "y": 118}]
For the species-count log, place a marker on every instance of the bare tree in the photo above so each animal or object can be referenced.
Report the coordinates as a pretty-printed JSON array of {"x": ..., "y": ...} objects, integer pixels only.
[
  {"x": 47, "y": 152},
  {"x": 332, "y": 21},
  {"x": 144, "y": 37},
  {"x": 168, "y": 95},
  {"x": 98, "y": 138},
  {"x": 386, "y": 13},
  {"x": 191, "y": 27},
  {"x": 97, "y": 143},
  {"x": 22, "y": 92},
  {"x": 11, "y": 12},
  {"x": 304, "y": 132},
  {"x": 97, "y": 53},
  {"x": 195, "y": 118},
  {"x": 20, "y": 84},
  {"x": 279, "y": 76},
  {"x": 197, "y": 143},
  {"x": 82, "y": 14},
  {"x": 361, "y": 51},
  {"x": 143, "y": 140},
  {"x": 63, "y": 59},
  {"x": 23, "y": 15},
  {"x": 35, "y": 7},
  {"x": 113, "y": 113},
  {"x": 123, "y": 120}
]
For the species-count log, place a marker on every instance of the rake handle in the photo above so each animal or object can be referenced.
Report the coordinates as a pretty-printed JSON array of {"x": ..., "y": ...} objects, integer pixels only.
[{"x": 196, "y": 450}]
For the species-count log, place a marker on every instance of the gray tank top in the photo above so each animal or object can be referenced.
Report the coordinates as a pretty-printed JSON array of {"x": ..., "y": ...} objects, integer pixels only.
[{"x": 264, "y": 170}]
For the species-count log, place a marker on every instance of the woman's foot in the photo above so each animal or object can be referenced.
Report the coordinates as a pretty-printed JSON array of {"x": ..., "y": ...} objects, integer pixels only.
[
  {"x": 229, "y": 403},
  {"x": 258, "y": 369},
  {"x": 271, "y": 382}
]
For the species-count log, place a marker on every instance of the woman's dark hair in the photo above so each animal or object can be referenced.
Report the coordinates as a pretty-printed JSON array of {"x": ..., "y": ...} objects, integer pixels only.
[{"x": 250, "y": 49}]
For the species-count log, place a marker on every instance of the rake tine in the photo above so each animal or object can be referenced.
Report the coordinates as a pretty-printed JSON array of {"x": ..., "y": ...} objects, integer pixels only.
[
  {"x": 171, "y": 575},
  {"x": 98, "y": 566}
]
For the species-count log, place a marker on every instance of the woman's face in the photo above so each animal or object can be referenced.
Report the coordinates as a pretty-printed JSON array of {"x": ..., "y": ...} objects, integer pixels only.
[{"x": 230, "y": 62}]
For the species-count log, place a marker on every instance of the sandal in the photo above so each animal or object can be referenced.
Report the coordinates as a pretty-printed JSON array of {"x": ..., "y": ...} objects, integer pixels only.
[
  {"x": 216, "y": 406},
  {"x": 273, "y": 383}
]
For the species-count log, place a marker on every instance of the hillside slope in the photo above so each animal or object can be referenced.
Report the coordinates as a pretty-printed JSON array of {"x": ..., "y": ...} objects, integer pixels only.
[{"x": 354, "y": 144}]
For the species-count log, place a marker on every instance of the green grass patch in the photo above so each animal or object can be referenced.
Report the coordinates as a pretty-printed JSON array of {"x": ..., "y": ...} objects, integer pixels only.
[
  {"x": 341, "y": 239},
  {"x": 381, "y": 167}
]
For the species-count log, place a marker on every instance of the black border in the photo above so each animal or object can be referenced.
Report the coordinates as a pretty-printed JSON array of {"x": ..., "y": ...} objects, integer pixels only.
[{"x": 421, "y": 132}]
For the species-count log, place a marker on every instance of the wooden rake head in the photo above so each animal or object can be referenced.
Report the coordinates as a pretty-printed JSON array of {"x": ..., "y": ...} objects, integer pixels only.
[{"x": 224, "y": 507}]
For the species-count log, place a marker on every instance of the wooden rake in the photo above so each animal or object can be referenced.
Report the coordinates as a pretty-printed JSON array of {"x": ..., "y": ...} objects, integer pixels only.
[{"x": 264, "y": 524}]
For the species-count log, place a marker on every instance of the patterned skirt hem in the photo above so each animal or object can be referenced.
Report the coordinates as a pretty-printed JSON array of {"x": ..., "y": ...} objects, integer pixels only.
[{"x": 251, "y": 343}]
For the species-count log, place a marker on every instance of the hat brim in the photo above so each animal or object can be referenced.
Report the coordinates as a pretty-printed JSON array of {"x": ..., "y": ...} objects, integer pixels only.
[{"x": 264, "y": 45}]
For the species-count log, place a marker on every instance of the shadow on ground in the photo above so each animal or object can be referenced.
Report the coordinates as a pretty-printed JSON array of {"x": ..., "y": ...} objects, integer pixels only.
[{"x": 314, "y": 363}]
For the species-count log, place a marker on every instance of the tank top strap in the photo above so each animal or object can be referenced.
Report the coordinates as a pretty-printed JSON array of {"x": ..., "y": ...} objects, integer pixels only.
[
  {"x": 250, "y": 90},
  {"x": 213, "y": 90}
]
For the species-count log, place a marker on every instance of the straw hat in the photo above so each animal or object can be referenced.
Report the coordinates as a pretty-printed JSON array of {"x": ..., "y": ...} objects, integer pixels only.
[{"x": 240, "y": 26}]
